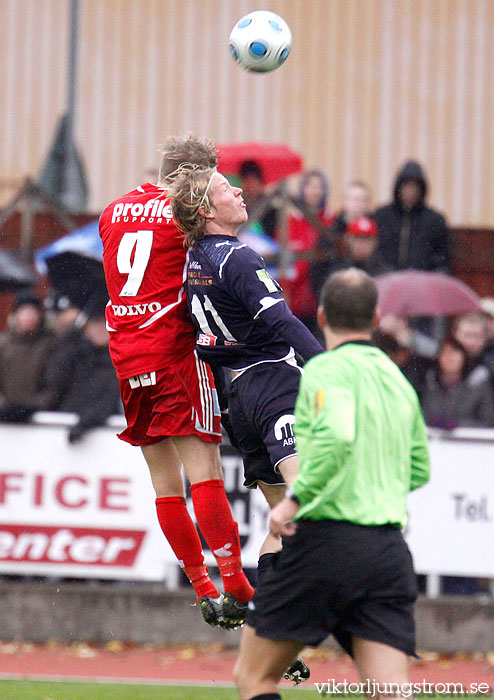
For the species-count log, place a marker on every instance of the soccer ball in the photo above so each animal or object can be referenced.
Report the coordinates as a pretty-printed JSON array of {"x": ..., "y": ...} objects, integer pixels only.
[{"x": 260, "y": 41}]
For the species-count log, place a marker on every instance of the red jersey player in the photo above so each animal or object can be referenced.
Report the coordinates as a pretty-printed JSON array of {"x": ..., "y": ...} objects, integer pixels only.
[{"x": 168, "y": 393}]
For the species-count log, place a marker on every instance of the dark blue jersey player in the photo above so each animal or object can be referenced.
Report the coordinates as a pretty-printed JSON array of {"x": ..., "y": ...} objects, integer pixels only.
[
  {"x": 238, "y": 309},
  {"x": 244, "y": 324}
]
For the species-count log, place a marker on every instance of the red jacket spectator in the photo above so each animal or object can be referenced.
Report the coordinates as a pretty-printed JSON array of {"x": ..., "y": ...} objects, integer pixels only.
[{"x": 303, "y": 237}]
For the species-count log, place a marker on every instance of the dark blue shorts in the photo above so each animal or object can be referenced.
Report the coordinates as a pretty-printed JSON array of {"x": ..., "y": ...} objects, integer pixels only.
[
  {"x": 342, "y": 579},
  {"x": 261, "y": 411}
]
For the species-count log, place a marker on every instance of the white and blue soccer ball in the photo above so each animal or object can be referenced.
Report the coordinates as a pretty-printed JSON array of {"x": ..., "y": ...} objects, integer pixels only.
[{"x": 260, "y": 41}]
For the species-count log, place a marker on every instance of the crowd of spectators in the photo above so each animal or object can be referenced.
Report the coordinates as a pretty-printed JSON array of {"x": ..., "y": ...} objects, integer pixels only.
[
  {"x": 54, "y": 355},
  {"x": 57, "y": 359},
  {"x": 449, "y": 361}
]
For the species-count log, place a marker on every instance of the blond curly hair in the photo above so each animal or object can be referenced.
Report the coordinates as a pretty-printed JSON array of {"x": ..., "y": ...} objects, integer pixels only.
[
  {"x": 186, "y": 149},
  {"x": 188, "y": 189}
]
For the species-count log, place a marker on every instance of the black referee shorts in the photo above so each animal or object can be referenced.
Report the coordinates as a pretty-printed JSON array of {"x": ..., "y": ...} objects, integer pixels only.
[
  {"x": 261, "y": 411},
  {"x": 339, "y": 578}
]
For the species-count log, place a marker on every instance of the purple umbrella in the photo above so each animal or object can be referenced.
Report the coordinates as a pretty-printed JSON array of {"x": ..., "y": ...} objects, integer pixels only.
[{"x": 416, "y": 293}]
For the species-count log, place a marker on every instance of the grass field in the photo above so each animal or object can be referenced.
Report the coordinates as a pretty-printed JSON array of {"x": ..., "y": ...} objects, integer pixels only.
[
  {"x": 42, "y": 690},
  {"x": 64, "y": 690}
]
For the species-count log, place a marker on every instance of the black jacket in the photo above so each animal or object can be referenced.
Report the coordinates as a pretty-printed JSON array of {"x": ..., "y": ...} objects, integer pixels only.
[
  {"x": 84, "y": 380},
  {"x": 416, "y": 238}
]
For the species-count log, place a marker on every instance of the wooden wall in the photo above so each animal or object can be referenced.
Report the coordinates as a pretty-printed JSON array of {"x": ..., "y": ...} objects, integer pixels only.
[
  {"x": 473, "y": 260},
  {"x": 369, "y": 83}
]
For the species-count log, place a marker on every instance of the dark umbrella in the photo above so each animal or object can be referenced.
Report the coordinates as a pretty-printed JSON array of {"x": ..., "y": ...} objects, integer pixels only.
[
  {"x": 415, "y": 293},
  {"x": 276, "y": 160},
  {"x": 76, "y": 276},
  {"x": 14, "y": 275},
  {"x": 74, "y": 264}
]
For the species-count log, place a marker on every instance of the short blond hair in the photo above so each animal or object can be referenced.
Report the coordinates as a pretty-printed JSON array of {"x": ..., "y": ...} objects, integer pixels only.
[
  {"x": 189, "y": 193},
  {"x": 188, "y": 148}
]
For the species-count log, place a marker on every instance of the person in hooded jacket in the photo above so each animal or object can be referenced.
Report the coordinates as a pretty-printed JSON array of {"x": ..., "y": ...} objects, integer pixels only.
[{"x": 411, "y": 234}]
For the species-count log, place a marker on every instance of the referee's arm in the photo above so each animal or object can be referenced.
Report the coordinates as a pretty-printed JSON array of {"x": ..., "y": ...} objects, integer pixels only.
[{"x": 420, "y": 461}]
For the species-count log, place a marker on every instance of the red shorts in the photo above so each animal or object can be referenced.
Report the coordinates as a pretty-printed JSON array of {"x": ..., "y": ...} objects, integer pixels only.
[{"x": 174, "y": 401}]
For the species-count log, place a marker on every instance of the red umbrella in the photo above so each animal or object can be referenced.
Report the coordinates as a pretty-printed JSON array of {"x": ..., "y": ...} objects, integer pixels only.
[
  {"x": 415, "y": 293},
  {"x": 276, "y": 159}
]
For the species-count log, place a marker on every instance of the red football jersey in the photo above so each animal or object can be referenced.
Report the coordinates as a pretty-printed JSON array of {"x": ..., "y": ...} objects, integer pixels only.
[{"x": 144, "y": 261}]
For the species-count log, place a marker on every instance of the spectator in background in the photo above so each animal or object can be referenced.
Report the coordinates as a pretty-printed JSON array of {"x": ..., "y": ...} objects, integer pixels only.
[
  {"x": 360, "y": 243},
  {"x": 472, "y": 331},
  {"x": 83, "y": 376},
  {"x": 358, "y": 249},
  {"x": 305, "y": 226},
  {"x": 256, "y": 201},
  {"x": 452, "y": 395},
  {"x": 66, "y": 320},
  {"x": 63, "y": 313},
  {"x": 409, "y": 337},
  {"x": 413, "y": 365},
  {"x": 488, "y": 355},
  {"x": 331, "y": 247},
  {"x": 25, "y": 350},
  {"x": 356, "y": 203},
  {"x": 411, "y": 234},
  {"x": 412, "y": 350}
]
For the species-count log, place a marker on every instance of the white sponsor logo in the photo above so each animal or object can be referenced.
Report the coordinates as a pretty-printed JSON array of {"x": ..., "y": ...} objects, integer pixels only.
[
  {"x": 148, "y": 379},
  {"x": 223, "y": 551},
  {"x": 195, "y": 265},
  {"x": 135, "y": 309},
  {"x": 152, "y": 210},
  {"x": 63, "y": 545},
  {"x": 204, "y": 339},
  {"x": 283, "y": 429}
]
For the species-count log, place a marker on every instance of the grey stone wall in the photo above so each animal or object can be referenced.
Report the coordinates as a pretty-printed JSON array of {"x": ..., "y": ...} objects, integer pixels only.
[{"x": 144, "y": 613}]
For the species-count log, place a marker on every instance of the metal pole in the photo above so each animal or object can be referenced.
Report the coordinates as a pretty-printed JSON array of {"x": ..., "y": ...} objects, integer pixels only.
[
  {"x": 433, "y": 586},
  {"x": 71, "y": 92}
]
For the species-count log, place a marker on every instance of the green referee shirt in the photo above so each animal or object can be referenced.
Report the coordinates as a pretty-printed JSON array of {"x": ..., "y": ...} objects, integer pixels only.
[{"x": 361, "y": 438}]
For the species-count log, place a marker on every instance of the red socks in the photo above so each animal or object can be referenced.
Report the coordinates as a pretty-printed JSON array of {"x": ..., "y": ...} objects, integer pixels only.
[
  {"x": 182, "y": 535},
  {"x": 215, "y": 521}
]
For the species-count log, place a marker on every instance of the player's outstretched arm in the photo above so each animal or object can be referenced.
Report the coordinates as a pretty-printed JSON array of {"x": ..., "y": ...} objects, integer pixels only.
[
  {"x": 292, "y": 330},
  {"x": 246, "y": 275}
]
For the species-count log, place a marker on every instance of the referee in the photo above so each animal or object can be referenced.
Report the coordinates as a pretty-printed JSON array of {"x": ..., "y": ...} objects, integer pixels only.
[{"x": 345, "y": 568}]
